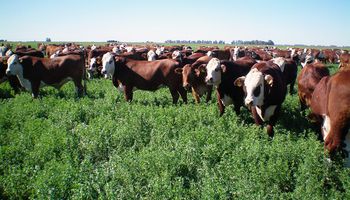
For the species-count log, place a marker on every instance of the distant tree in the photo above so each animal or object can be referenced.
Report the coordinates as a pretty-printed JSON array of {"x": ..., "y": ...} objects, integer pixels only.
[{"x": 48, "y": 39}]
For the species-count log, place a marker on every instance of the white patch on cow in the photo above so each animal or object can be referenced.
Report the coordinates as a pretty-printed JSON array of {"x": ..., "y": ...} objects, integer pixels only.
[
  {"x": 280, "y": 62},
  {"x": 347, "y": 149},
  {"x": 159, "y": 51},
  {"x": 176, "y": 54},
  {"x": 151, "y": 55},
  {"x": 326, "y": 126},
  {"x": 226, "y": 100},
  {"x": 213, "y": 72},
  {"x": 253, "y": 80},
  {"x": 65, "y": 50},
  {"x": 210, "y": 53},
  {"x": 267, "y": 114},
  {"x": 16, "y": 68},
  {"x": 93, "y": 47},
  {"x": 308, "y": 59},
  {"x": 292, "y": 53},
  {"x": 116, "y": 50},
  {"x": 108, "y": 64},
  {"x": 129, "y": 49},
  {"x": 9, "y": 52},
  {"x": 235, "y": 53}
]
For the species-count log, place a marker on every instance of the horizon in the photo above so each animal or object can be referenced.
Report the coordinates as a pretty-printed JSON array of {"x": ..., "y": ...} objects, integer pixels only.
[{"x": 310, "y": 23}]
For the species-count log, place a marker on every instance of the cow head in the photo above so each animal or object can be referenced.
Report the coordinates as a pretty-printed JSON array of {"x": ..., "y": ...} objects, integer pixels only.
[
  {"x": 14, "y": 66},
  {"x": 280, "y": 61},
  {"x": 214, "y": 70},
  {"x": 176, "y": 55},
  {"x": 108, "y": 64},
  {"x": 188, "y": 74},
  {"x": 151, "y": 55},
  {"x": 254, "y": 85}
]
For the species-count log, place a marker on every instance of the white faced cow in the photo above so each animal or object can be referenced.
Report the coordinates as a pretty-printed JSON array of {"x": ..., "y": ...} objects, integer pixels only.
[{"x": 265, "y": 92}]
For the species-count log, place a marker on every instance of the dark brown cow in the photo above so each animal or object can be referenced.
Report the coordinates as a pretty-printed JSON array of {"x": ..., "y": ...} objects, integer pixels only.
[
  {"x": 221, "y": 54},
  {"x": 52, "y": 48},
  {"x": 261, "y": 55},
  {"x": 13, "y": 80},
  {"x": 308, "y": 78},
  {"x": 265, "y": 91},
  {"x": 34, "y": 72},
  {"x": 330, "y": 104},
  {"x": 30, "y": 52},
  {"x": 222, "y": 74},
  {"x": 144, "y": 75}
]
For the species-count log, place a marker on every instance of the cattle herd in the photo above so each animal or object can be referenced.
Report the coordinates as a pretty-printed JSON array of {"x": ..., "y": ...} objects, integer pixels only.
[{"x": 251, "y": 77}]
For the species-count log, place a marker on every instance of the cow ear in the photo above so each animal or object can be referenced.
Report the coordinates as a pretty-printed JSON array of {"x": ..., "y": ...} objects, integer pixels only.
[
  {"x": 20, "y": 60},
  {"x": 269, "y": 80},
  {"x": 239, "y": 81},
  {"x": 202, "y": 68},
  {"x": 178, "y": 70},
  {"x": 223, "y": 67}
]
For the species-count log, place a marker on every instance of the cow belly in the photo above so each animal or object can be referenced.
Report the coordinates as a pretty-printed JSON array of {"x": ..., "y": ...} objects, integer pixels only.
[
  {"x": 269, "y": 111},
  {"x": 347, "y": 149},
  {"x": 226, "y": 100},
  {"x": 57, "y": 85}
]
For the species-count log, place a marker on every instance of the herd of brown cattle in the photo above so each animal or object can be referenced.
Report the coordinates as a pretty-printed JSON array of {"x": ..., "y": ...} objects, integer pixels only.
[{"x": 253, "y": 77}]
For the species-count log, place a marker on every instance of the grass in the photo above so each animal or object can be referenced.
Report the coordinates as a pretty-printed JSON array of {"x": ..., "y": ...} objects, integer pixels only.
[{"x": 101, "y": 147}]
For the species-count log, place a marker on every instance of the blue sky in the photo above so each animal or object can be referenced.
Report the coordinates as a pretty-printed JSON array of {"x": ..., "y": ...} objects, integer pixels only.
[{"x": 311, "y": 22}]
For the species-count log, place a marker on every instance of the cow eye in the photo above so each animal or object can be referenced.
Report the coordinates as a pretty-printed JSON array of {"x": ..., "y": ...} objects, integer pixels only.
[
  {"x": 217, "y": 69},
  {"x": 257, "y": 91},
  {"x": 110, "y": 62}
]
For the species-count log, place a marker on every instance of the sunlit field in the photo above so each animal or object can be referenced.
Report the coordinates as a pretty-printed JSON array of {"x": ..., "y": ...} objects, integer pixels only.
[{"x": 102, "y": 147}]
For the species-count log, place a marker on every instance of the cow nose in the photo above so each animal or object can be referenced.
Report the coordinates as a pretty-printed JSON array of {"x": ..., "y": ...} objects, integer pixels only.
[
  {"x": 187, "y": 86},
  {"x": 104, "y": 72},
  {"x": 248, "y": 102}
]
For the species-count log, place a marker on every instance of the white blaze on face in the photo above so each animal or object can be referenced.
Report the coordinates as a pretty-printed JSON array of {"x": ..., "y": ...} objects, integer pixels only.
[
  {"x": 308, "y": 59},
  {"x": 116, "y": 50},
  {"x": 129, "y": 49},
  {"x": 235, "y": 53},
  {"x": 280, "y": 62},
  {"x": 151, "y": 55},
  {"x": 254, "y": 86},
  {"x": 176, "y": 54},
  {"x": 210, "y": 53},
  {"x": 93, "y": 47},
  {"x": 292, "y": 53},
  {"x": 159, "y": 50},
  {"x": 213, "y": 72},
  {"x": 15, "y": 68},
  {"x": 108, "y": 64},
  {"x": 92, "y": 63},
  {"x": 8, "y": 52}
]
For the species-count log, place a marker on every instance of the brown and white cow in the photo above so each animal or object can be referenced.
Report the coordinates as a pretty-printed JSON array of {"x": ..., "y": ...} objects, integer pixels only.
[
  {"x": 221, "y": 74},
  {"x": 330, "y": 105},
  {"x": 13, "y": 80},
  {"x": 143, "y": 75},
  {"x": 34, "y": 72},
  {"x": 307, "y": 80},
  {"x": 193, "y": 78},
  {"x": 265, "y": 91}
]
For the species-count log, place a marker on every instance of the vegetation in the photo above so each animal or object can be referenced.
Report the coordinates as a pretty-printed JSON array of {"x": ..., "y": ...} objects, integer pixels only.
[{"x": 101, "y": 147}]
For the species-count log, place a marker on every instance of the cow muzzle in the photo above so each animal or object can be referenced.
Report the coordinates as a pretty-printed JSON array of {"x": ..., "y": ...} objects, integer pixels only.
[
  {"x": 187, "y": 86},
  {"x": 8, "y": 72},
  {"x": 249, "y": 103},
  {"x": 104, "y": 72}
]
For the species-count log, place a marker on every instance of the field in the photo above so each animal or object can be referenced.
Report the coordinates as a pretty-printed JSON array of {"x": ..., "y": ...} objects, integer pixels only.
[{"x": 101, "y": 147}]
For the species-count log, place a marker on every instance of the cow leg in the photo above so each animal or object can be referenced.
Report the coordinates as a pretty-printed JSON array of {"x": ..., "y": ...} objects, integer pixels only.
[
  {"x": 128, "y": 93},
  {"x": 256, "y": 117},
  {"x": 79, "y": 87},
  {"x": 196, "y": 96},
  {"x": 209, "y": 91},
  {"x": 291, "y": 88},
  {"x": 271, "y": 123},
  {"x": 220, "y": 104},
  {"x": 35, "y": 88},
  {"x": 183, "y": 94},
  {"x": 175, "y": 95}
]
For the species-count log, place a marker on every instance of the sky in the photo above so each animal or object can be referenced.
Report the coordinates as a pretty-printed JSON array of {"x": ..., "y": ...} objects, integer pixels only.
[{"x": 310, "y": 22}]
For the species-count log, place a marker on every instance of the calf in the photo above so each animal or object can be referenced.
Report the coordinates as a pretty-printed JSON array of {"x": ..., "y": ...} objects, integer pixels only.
[
  {"x": 34, "y": 72},
  {"x": 265, "y": 91},
  {"x": 307, "y": 80},
  {"x": 330, "y": 105},
  {"x": 222, "y": 74},
  {"x": 144, "y": 75}
]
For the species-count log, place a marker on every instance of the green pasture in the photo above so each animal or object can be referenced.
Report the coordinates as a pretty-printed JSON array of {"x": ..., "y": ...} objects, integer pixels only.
[{"x": 101, "y": 147}]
